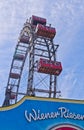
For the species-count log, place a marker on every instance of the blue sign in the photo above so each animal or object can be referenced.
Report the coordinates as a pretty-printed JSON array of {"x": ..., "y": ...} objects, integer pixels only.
[{"x": 43, "y": 114}]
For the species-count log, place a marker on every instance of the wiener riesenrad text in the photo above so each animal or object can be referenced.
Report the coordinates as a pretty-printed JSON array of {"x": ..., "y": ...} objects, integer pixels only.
[{"x": 62, "y": 112}]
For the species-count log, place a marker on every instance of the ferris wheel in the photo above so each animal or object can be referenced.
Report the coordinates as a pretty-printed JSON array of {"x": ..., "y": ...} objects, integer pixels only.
[{"x": 35, "y": 44}]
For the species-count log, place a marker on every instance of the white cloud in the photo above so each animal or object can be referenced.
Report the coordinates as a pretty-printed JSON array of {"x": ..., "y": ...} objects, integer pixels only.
[{"x": 67, "y": 83}]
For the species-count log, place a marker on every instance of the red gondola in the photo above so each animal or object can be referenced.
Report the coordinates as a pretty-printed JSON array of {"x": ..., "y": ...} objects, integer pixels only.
[
  {"x": 12, "y": 96},
  {"x": 49, "y": 67},
  {"x": 35, "y": 20},
  {"x": 24, "y": 39},
  {"x": 19, "y": 57},
  {"x": 45, "y": 31},
  {"x": 14, "y": 75}
]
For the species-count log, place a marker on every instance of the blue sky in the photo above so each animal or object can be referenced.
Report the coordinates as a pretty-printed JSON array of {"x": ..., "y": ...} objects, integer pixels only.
[{"x": 67, "y": 16}]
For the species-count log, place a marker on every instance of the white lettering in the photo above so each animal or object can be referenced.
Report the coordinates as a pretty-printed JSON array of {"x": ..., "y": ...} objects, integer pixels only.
[{"x": 62, "y": 112}]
